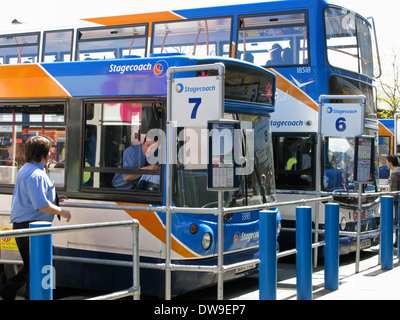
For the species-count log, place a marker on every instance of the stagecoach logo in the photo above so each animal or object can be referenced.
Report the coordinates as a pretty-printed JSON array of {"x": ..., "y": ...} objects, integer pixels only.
[
  {"x": 194, "y": 89},
  {"x": 160, "y": 68},
  {"x": 179, "y": 88},
  {"x": 236, "y": 237},
  {"x": 245, "y": 236},
  {"x": 341, "y": 111}
]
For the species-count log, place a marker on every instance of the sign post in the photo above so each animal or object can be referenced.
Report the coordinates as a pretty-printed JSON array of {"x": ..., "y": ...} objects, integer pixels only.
[
  {"x": 191, "y": 101},
  {"x": 340, "y": 120}
]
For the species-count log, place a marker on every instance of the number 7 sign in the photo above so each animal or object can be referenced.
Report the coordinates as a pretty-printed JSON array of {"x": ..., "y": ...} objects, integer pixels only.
[{"x": 195, "y": 101}]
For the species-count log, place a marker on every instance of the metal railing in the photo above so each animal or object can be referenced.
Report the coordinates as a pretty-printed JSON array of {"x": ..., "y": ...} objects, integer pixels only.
[
  {"x": 167, "y": 266},
  {"x": 134, "y": 224},
  {"x": 220, "y": 268}
]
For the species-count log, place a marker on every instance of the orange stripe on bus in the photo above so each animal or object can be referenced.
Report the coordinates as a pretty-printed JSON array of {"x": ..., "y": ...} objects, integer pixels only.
[
  {"x": 286, "y": 86},
  {"x": 151, "y": 223},
  {"x": 135, "y": 18},
  {"x": 384, "y": 131},
  {"x": 28, "y": 81}
]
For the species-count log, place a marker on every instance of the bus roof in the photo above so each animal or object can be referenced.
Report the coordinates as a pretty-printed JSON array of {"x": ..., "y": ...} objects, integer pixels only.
[
  {"x": 193, "y": 13},
  {"x": 149, "y": 17}
]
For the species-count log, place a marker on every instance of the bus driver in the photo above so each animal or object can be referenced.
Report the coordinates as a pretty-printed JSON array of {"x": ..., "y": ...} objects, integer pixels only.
[{"x": 134, "y": 157}]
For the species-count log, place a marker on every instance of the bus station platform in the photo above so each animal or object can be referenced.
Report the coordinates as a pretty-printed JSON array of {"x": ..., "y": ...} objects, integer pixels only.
[{"x": 370, "y": 283}]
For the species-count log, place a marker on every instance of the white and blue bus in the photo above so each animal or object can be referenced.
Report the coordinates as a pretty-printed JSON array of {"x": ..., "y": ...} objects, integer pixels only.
[
  {"x": 313, "y": 47},
  {"x": 92, "y": 111}
]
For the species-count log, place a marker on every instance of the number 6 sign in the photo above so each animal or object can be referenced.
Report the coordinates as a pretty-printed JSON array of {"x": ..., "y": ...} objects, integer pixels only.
[{"x": 341, "y": 119}]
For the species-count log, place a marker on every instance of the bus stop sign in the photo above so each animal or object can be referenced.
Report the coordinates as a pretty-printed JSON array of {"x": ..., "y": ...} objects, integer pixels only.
[
  {"x": 342, "y": 119},
  {"x": 196, "y": 100}
]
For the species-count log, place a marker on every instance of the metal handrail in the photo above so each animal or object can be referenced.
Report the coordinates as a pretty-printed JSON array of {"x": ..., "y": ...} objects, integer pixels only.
[
  {"x": 323, "y": 196},
  {"x": 133, "y": 224}
]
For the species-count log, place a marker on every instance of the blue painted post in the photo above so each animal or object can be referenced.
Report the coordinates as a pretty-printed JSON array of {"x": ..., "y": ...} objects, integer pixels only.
[
  {"x": 331, "y": 246},
  {"x": 398, "y": 225},
  {"x": 268, "y": 259},
  {"x": 304, "y": 253},
  {"x": 387, "y": 232},
  {"x": 41, "y": 264}
]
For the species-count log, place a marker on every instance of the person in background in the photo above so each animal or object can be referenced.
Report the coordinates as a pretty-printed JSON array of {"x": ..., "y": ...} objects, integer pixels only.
[
  {"x": 394, "y": 185},
  {"x": 33, "y": 199},
  {"x": 276, "y": 55}
]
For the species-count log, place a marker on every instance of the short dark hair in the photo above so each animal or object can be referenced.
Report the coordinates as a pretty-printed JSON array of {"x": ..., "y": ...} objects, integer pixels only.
[
  {"x": 36, "y": 148},
  {"x": 393, "y": 160}
]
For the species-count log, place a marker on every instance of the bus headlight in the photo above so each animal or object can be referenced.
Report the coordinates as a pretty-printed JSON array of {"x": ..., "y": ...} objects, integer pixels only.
[
  {"x": 343, "y": 223},
  {"x": 206, "y": 241},
  {"x": 278, "y": 228}
]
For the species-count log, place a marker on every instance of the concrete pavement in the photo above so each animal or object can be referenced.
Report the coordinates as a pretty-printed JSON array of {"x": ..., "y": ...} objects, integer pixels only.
[{"x": 370, "y": 283}]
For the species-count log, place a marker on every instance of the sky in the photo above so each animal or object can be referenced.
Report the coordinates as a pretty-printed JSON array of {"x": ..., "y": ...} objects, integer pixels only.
[{"x": 47, "y": 12}]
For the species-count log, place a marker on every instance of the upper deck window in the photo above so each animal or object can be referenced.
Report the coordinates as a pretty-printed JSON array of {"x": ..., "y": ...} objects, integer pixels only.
[
  {"x": 111, "y": 43},
  {"x": 19, "y": 48},
  {"x": 246, "y": 85},
  {"x": 210, "y": 37},
  {"x": 274, "y": 39},
  {"x": 348, "y": 41},
  {"x": 57, "y": 46}
]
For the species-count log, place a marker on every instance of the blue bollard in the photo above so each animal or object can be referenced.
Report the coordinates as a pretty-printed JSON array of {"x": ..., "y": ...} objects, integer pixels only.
[
  {"x": 268, "y": 259},
  {"x": 331, "y": 246},
  {"x": 41, "y": 264},
  {"x": 304, "y": 253},
  {"x": 387, "y": 232},
  {"x": 398, "y": 223}
]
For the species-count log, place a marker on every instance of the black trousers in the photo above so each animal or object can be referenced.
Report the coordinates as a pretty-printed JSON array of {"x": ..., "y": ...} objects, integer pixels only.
[{"x": 9, "y": 290}]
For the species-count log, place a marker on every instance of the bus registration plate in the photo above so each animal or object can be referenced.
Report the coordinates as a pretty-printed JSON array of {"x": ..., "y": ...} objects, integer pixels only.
[
  {"x": 366, "y": 243},
  {"x": 245, "y": 268}
]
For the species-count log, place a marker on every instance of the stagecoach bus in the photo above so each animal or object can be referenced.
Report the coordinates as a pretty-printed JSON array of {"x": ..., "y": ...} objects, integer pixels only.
[{"x": 98, "y": 115}]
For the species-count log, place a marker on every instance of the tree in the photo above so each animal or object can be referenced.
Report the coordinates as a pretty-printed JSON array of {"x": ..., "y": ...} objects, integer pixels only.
[{"x": 389, "y": 93}]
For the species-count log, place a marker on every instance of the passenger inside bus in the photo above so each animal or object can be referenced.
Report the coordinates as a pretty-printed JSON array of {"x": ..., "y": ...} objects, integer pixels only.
[
  {"x": 135, "y": 157},
  {"x": 17, "y": 158},
  {"x": 293, "y": 162},
  {"x": 276, "y": 55},
  {"x": 291, "y": 153},
  {"x": 287, "y": 55}
]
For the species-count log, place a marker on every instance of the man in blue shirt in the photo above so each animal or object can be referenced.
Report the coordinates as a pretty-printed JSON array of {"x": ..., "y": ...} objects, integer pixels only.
[
  {"x": 134, "y": 157},
  {"x": 33, "y": 199}
]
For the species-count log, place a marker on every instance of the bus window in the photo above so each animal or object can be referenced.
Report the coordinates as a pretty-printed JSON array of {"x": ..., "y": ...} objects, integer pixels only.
[
  {"x": 346, "y": 86},
  {"x": 294, "y": 162},
  {"x": 348, "y": 41},
  {"x": 258, "y": 186},
  {"x": 17, "y": 124},
  {"x": 338, "y": 164},
  {"x": 385, "y": 145},
  {"x": 274, "y": 39},
  {"x": 57, "y": 46},
  {"x": 116, "y": 140},
  {"x": 190, "y": 177},
  {"x": 111, "y": 42},
  {"x": 208, "y": 37},
  {"x": 19, "y": 48}
]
